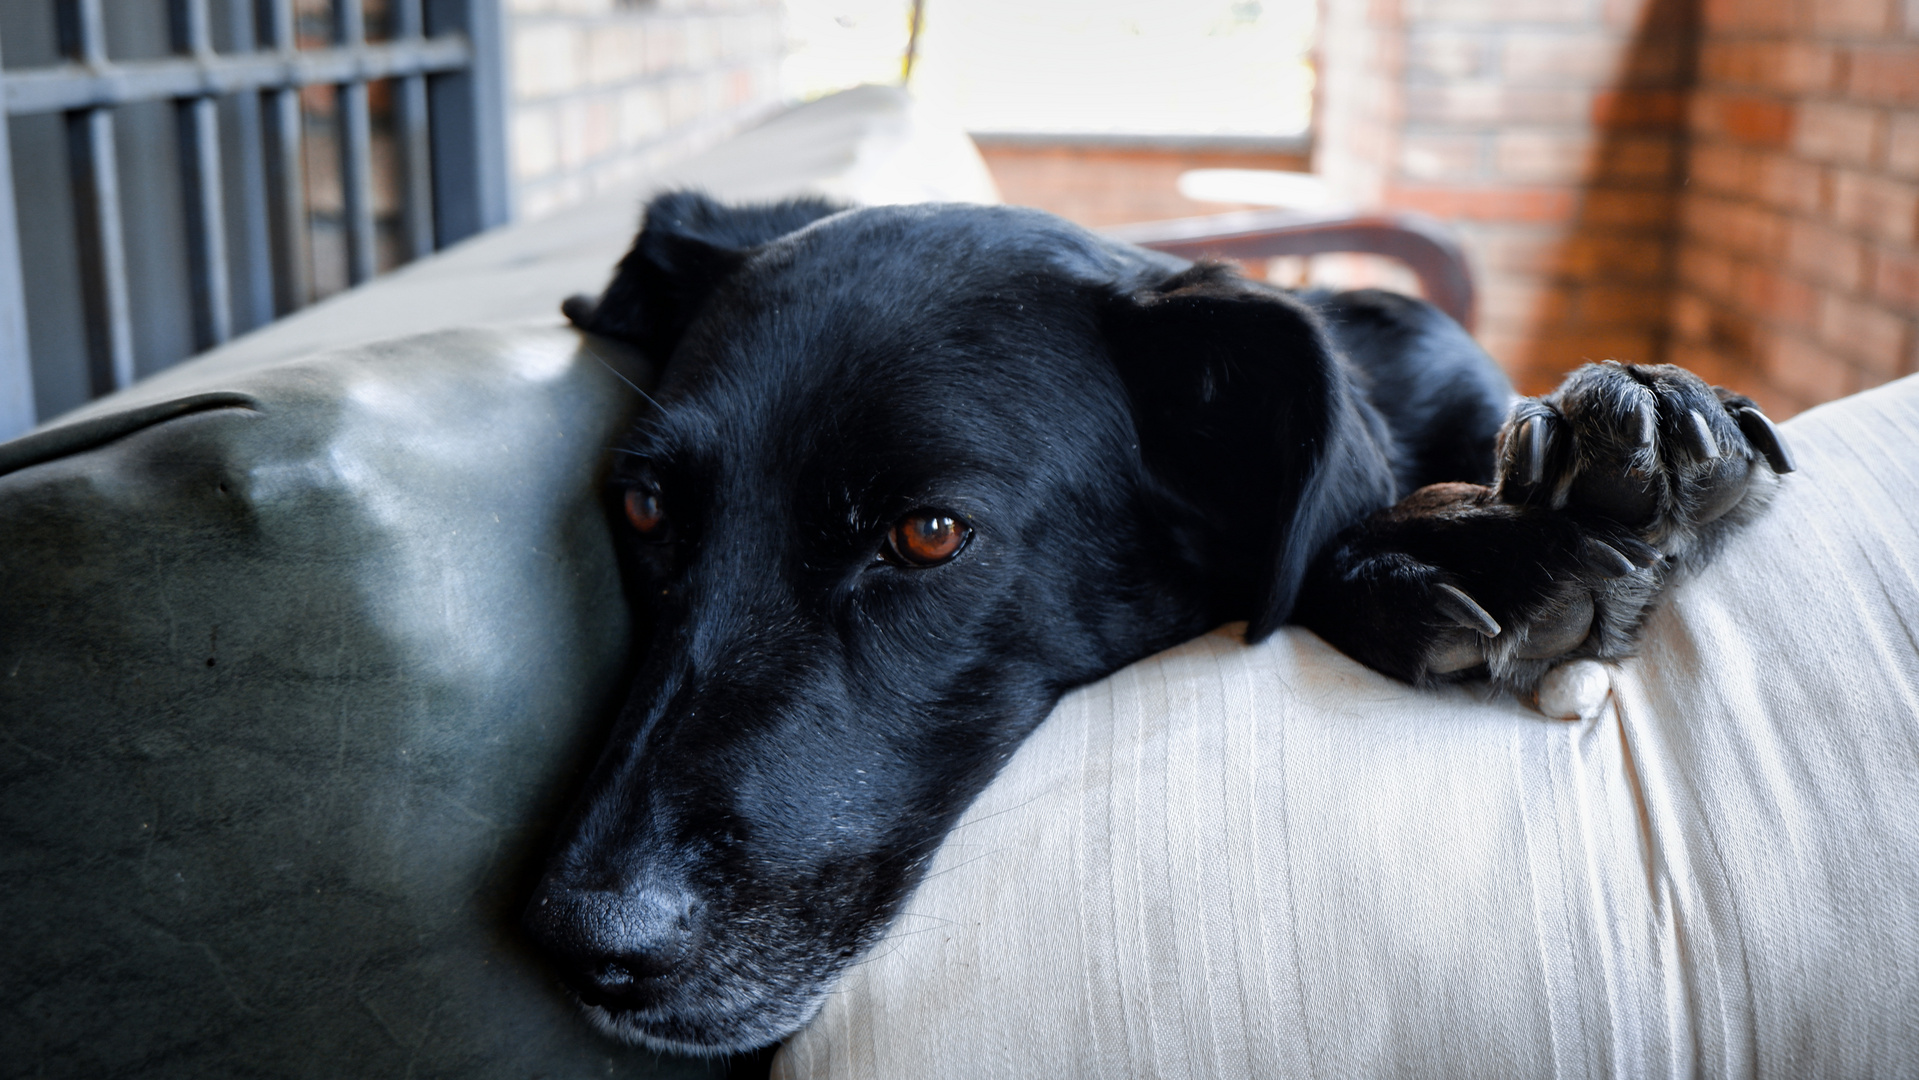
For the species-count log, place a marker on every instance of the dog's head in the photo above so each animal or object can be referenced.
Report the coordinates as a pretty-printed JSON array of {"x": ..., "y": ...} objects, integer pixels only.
[{"x": 913, "y": 472}]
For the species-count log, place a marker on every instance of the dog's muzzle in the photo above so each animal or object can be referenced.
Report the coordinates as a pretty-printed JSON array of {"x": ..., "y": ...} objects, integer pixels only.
[{"x": 616, "y": 946}]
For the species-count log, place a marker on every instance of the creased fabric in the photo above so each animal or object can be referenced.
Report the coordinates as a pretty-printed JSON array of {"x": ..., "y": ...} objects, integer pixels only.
[{"x": 1267, "y": 861}]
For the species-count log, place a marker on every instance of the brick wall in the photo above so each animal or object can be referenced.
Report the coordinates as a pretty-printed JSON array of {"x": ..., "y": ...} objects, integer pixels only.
[
  {"x": 1550, "y": 132},
  {"x": 1798, "y": 274},
  {"x": 1727, "y": 184},
  {"x": 602, "y": 91}
]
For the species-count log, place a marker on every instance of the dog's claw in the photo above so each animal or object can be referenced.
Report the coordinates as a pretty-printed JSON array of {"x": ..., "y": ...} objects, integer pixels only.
[
  {"x": 1465, "y": 611},
  {"x": 1641, "y": 553},
  {"x": 1761, "y": 432},
  {"x": 1608, "y": 560},
  {"x": 1648, "y": 422},
  {"x": 1530, "y": 450},
  {"x": 1699, "y": 437}
]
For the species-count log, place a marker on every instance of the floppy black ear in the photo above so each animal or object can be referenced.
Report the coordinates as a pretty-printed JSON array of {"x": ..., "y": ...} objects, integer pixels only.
[
  {"x": 687, "y": 245},
  {"x": 1252, "y": 430}
]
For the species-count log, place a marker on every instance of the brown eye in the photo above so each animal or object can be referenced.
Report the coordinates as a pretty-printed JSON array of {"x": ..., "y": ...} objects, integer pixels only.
[
  {"x": 644, "y": 510},
  {"x": 927, "y": 538}
]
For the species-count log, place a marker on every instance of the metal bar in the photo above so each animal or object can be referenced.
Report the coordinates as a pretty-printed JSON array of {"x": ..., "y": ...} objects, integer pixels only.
[
  {"x": 349, "y": 23},
  {"x": 286, "y": 182},
  {"x": 356, "y": 179},
  {"x": 64, "y": 87},
  {"x": 416, "y": 147},
  {"x": 468, "y": 125},
  {"x": 83, "y": 32},
  {"x": 244, "y": 149},
  {"x": 287, "y": 203},
  {"x": 199, "y": 124},
  {"x": 95, "y": 174},
  {"x": 356, "y": 150},
  {"x": 103, "y": 257},
  {"x": 17, "y": 409}
]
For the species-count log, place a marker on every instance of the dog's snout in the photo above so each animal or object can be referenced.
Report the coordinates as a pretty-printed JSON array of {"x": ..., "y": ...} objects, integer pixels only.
[{"x": 613, "y": 942}]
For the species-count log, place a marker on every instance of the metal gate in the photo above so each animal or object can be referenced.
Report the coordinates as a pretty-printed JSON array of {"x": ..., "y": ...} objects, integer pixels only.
[{"x": 371, "y": 131}]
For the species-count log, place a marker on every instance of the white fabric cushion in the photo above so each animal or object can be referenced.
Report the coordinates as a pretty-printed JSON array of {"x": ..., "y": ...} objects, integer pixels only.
[{"x": 1270, "y": 861}]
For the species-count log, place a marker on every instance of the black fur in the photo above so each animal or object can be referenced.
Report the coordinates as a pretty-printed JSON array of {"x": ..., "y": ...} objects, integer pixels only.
[{"x": 1142, "y": 448}]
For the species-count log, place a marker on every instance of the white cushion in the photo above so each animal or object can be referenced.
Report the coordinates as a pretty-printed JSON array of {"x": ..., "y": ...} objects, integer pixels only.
[{"x": 1270, "y": 861}]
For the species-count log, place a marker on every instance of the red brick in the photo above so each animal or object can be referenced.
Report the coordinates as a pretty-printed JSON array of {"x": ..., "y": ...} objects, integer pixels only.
[
  {"x": 1718, "y": 370},
  {"x": 1842, "y": 133},
  {"x": 1615, "y": 257},
  {"x": 1449, "y": 56},
  {"x": 1488, "y": 203},
  {"x": 1628, "y": 209},
  {"x": 1792, "y": 67},
  {"x": 1544, "y": 156},
  {"x": 1492, "y": 103},
  {"x": 1755, "y": 121},
  {"x": 1739, "y": 227},
  {"x": 1824, "y": 255},
  {"x": 1895, "y": 279},
  {"x": 1553, "y": 352},
  {"x": 1850, "y": 16},
  {"x": 1651, "y": 19},
  {"x": 1585, "y": 57},
  {"x": 1691, "y": 318},
  {"x": 1711, "y": 272},
  {"x": 1769, "y": 294},
  {"x": 1888, "y": 74},
  {"x": 1875, "y": 206},
  {"x": 1902, "y": 143},
  {"x": 1615, "y": 305},
  {"x": 1868, "y": 333},
  {"x": 1724, "y": 169},
  {"x": 1516, "y": 251},
  {"x": 1750, "y": 14},
  {"x": 1643, "y": 158},
  {"x": 1791, "y": 184},
  {"x": 1805, "y": 371},
  {"x": 1516, "y": 304},
  {"x": 1638, "y": 108},
  {"x": 1443, "y": 157},
  {"x": 1734, "y": 335}
]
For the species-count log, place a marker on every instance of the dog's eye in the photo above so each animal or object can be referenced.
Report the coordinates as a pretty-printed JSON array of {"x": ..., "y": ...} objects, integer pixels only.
[
  {"x": 646, "y": 512},
  {"x": 926, "y": 538}
]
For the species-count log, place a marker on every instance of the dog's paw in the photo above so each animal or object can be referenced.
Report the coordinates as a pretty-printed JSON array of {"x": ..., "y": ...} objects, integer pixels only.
[
  {"x": 1541, "y": 588},
  {"x": 1452, "y": 582},
  {"x": 1651, "y": 447}
]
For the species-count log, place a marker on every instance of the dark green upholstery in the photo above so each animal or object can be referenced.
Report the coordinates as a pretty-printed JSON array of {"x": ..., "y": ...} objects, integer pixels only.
[{"x": 293, "y": 665}]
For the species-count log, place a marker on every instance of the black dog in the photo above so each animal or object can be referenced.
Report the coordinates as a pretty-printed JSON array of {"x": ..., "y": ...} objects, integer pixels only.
[{"x": 914, "y": 472}]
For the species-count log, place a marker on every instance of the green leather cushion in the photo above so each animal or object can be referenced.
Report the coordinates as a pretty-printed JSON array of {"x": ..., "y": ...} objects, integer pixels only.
[{"x": 293, "y": 665}]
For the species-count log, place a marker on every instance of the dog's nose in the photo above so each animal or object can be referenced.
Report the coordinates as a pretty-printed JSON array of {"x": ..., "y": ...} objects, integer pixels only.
[{"x": 612, "y": 942}]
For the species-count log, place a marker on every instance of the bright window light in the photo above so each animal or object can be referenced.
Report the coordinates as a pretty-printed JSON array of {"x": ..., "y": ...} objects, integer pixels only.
[{"x": 1088, "y": 67}]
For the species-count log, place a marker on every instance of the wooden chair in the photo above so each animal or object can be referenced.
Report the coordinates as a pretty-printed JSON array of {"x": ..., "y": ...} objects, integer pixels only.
[{"x": 1423, "y": 243}]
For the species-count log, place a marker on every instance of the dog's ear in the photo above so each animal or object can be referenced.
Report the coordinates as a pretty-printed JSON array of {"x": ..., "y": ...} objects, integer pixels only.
[
  {"x": 1251, "y": 430},
  {"x": 687, "y": 245}
]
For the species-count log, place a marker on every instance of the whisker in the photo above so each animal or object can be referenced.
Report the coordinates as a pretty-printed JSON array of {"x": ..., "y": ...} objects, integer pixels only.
[
  {"x": 1007, "y": 810},
  {"x": 588, "y": 346},
  {"x": 957, "y": 866}
]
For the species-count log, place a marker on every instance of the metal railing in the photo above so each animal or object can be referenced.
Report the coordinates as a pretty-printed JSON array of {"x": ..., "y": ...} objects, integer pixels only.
[{"x": 443, "y": 57}]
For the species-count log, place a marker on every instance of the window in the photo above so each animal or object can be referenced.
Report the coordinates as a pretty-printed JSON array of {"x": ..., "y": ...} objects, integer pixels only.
[
  {"x": 1144, "y": 68},
  {"x": 175, "y": 172}
]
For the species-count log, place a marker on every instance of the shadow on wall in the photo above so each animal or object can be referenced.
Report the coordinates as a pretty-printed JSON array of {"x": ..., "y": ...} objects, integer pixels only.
[{"x": 1604, "y": 270}]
